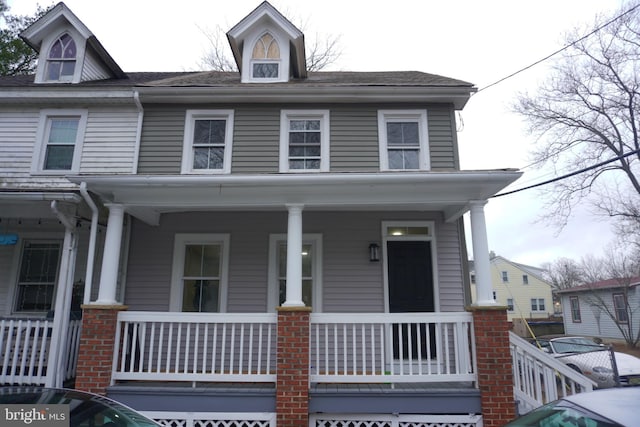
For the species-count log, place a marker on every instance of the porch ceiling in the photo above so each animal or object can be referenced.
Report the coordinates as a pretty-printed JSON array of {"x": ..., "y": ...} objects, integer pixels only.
[{"x": 147, "y": 197}]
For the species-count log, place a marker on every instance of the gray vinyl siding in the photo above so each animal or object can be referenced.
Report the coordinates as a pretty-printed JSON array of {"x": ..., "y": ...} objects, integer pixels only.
[
  {"x": 441, "y": 138},
  {"x": 7, "y": 254},
  {"x": 354, "y": 143},
  {"x": 351, "y": 283},
  {"x": 256, "y": 140},
  {"x": 354, "y": 139},
  {"x": 161, "y": 141}
]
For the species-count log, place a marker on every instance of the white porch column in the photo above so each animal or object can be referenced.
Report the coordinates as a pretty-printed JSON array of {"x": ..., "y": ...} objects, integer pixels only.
[
  {"x": 484, "y": 291},
  {"x": 111, "y": 258},
  {"x": 294, "y": 257}
]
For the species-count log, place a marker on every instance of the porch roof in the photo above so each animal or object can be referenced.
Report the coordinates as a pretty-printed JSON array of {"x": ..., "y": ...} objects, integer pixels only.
[{"x": 147, "y": 197}]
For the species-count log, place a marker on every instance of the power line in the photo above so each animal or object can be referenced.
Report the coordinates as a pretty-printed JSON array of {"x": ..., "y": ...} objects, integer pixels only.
[
  {"x": 549, "y": 181},
  {"x": 559, "y": 50}
]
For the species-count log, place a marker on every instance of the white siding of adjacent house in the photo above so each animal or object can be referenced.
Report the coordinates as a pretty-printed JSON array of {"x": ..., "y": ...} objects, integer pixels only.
[
  {"x": 110, "y": 141},
  {"x": 597, "y": 323},
  {"x": 109, "y": 146}
]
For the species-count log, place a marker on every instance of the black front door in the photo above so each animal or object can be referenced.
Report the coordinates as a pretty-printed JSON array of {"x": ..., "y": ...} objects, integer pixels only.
[{"x": 410, "y": 281}]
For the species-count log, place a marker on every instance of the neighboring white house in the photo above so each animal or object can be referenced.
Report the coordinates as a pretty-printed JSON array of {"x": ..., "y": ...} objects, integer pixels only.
[
  {"x": 585, "y": 315},
  {"x": 521, "y": 288}
]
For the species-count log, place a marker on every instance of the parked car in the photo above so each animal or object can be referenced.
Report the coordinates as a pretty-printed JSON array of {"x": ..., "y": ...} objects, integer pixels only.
[
  {"x": 615, "y": 407},
  {"x": 82, "y": 409},
  {"x": 593, "y": 360}
]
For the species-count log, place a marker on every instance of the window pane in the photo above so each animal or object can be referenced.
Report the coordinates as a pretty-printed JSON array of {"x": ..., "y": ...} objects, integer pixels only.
[
  {"x": 56, "y": 50},
  {"x": 59, "y": 157},
  {"x": 202, "y": 261},
  {"x": 402, "y": 133},
  {"x": 307, "y": 260},
  {"x": 200, "y": 296},
  {"x": 395, "y": 159},
  {"x": 63, "y": 130},
  {"x": 209, "y": 131},
  {"x": 37, "y": 277},
  {"x": 39, "y": 262},
  {"x": 69, "y": 47},
  {"x": 265, "y": 70},
  {"x": 53, "y": 70},
  {"x": 410, "y": 159},
  {"x": 68, "y": 67},
  {"x": 312, "y": 164},
  {"x": 208, "y": 158},
  {"x": 35, "y": 297},
  {"x": 296, "y": 164}
]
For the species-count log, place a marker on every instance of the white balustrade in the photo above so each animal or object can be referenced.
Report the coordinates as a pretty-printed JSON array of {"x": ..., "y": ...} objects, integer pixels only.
[
  {"x": 224, "y": 347},
  {"x": 391, "y": 347},
  {"x": 24, "y": 349},
  {"x": 539, "y": 378}
]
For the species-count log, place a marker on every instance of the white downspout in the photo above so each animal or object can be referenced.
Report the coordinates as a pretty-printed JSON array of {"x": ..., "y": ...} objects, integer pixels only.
[
  {"x": 136, "y": 151},
  {"x": 57, "y": 357},
  {"x": 88, "y": 282}
]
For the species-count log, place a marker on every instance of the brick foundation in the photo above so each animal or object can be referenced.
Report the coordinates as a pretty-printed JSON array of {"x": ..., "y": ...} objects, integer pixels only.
[
  {"x": 292, "y": 384},
  {"x": 95, "y": 355},
  {"x": 495, "y": 376}
]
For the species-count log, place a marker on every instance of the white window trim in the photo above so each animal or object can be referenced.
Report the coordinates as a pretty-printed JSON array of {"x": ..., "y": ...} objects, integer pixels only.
[
  {"x": 285, "y": 116},
  {"x": 431, "y": 237},
  {"x": 283, "y": 62},
  {"x": 419, "y": 116},
  {"x": 273, "y": 284},
  {"x": 43, "y": 61},
  {"x": 180, "y": 241},
  {"x": 187, "y": 144},
  {"x": 12, "y": 294},
  {"x": 37, "y": 164}
]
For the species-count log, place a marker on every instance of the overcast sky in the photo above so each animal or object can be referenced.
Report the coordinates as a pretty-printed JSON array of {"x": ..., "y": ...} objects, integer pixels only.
[{"x": 479, "y": 41}]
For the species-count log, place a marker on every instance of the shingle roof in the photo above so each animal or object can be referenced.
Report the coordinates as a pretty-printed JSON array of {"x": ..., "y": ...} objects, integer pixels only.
[
  {"x": 216, "y": 79},
  {"x": 604, "y": 284}
]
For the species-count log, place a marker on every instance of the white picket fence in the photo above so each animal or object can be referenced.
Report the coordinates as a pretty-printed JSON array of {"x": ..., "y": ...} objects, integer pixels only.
[{"x": 24, "y": 350}]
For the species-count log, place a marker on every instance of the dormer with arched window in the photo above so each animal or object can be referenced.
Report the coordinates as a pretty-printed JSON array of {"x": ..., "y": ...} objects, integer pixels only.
[
  {"x": 61, "y": 60},
  {"x": 267, "y": 47},
  {"x": 68, "y": 50}
]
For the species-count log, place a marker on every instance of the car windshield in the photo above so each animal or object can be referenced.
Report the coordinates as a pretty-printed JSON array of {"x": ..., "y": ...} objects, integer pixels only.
[
  {"x": 85, "y": 410},
  {"x": 561, "y": 414},
  {"x": 574, "y": 345}
]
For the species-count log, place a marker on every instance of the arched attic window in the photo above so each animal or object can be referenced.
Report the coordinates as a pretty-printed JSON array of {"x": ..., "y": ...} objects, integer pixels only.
[
  {"x": 265, "y": 59},
  {"x": 61, "y": 61}
]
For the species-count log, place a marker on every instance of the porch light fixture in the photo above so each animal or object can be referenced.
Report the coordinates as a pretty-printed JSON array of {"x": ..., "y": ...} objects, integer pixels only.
[{"x": 374, "y": 252}]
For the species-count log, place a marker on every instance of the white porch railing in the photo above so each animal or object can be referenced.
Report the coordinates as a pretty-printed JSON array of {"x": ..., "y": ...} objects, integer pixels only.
[
  {"x": 24, "y": 350},
  {"x": 232, "y": 347},
  {"x": 392, "y": 347},
  {"x": 539, "y": 378}
]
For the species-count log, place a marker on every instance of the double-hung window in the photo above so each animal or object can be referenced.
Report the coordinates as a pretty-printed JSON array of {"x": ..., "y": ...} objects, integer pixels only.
[
  {"x": 537, "y": 304},
  {"x": 208, "y": 137},
  {"x": 199, "y": 278},
  {"x": 403, "y": 140},
  {"x": 61, "y": 60},
  {"x": 37, "y": 276},
  {"x": 510, "y": 304},
  {"x": 574, "y": 302},
  {"x": 304, "y": 141},
  {"x": 620, "y": 307},
  {"x": 60, "y": 135}
]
